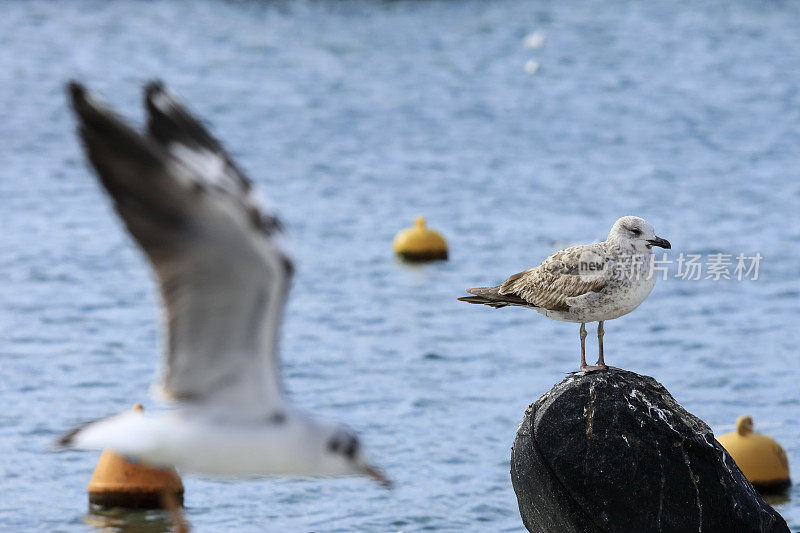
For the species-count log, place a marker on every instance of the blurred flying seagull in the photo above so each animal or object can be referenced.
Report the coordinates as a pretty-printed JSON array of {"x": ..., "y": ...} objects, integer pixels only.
[
  {"x": 589, "y": 283},
  {"x": 224, "y": 277}
]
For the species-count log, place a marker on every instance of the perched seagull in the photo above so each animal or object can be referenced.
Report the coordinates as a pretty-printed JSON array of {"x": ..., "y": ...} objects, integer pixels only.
[
  {"x": 589, "y": 283},
  {"x": 224, "y": 278}
]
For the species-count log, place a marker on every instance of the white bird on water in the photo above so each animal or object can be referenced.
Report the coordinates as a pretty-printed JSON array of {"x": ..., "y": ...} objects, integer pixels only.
[
  {"x": 224, "y": 277},
  {"x": 588, "y": 283}
]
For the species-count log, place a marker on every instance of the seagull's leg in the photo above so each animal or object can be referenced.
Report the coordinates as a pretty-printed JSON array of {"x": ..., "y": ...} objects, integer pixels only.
[
  {"x": 170, "y": 503},
  {"x": 600, "y": 364},
  {"x": 600, "y": 331},
  {"x": 583, "y": 345}
]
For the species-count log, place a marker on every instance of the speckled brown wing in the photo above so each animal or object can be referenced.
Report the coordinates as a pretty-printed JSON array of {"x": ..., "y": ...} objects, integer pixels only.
[{"x": 550, "y": 284}]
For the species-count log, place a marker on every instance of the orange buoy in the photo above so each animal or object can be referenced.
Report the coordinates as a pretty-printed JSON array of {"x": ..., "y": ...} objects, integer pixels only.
[
  {"x": 762, "y": 460},
  {"x": 419, "y": 243},
  {"x": 120, "y": 481}
]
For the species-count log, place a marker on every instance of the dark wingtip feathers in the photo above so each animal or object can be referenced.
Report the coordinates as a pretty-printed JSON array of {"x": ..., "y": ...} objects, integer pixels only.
[
  {"x": 473, "y": 299},
  {"x": 479, "y": 297},
  {"x": 492, "y": 297},
  {"x": 482, "y": 300},
  {"x": 79, "y": 98},
  {"x": 65, "y": 440},
  {"x": 152, "y": 89},
  {"x": 77, "y": 92},
  {"x": 153, "y": 86},
  {"x": 105, "y": 135},
  {"x": 169, "y": 121}
]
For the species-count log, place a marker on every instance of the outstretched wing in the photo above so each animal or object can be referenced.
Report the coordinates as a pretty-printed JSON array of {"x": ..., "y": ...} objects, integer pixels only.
[{"x": 222, "y": 272}]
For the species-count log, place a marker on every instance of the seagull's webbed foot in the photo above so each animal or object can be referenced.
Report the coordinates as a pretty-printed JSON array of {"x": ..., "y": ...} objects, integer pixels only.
[{"x": 592, "y": 368}]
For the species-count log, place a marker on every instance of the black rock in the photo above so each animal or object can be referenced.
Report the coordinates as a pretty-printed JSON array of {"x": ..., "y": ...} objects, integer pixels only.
[{"x": 613, "y": 451}]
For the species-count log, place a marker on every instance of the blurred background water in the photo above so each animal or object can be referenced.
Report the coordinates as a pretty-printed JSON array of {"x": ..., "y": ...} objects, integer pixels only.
[{"x": 354, "y": 117}]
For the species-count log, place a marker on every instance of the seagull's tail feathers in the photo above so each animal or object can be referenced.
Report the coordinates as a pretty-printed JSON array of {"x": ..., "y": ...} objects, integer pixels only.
[
  {"x": 70, "y": 439},
  {"x": 125, "y": 432},
  {"x": 492, "y": 297}
]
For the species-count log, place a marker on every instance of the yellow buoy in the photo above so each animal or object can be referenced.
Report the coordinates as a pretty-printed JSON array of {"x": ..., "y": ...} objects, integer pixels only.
[
  {"x": 762, "y": 460},
  {"x": 419, "y": 243},
  {"x": 119, "y": 481}
]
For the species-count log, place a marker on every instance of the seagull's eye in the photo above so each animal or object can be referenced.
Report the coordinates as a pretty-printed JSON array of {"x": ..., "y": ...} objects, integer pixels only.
[
  {"x": 352, "y": 448},
  {"x": 346, "y": 445},
  {"x": 636, "y": 232}
]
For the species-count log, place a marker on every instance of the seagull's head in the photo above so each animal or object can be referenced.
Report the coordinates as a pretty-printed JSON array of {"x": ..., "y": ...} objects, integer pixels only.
[
  {"x": 345, "y": 455},
  {"x": 636, "y": 233}
]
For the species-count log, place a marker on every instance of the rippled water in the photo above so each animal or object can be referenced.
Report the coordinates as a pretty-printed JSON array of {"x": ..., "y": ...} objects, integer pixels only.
[{"x": 354, "y": 117}]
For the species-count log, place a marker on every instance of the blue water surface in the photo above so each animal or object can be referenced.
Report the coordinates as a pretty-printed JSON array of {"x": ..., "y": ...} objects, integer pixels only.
[{"x": 354, "y": 117}]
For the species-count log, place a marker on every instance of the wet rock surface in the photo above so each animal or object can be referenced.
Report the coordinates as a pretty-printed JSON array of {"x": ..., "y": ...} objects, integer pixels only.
[{"x": 613, "y": 451}]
